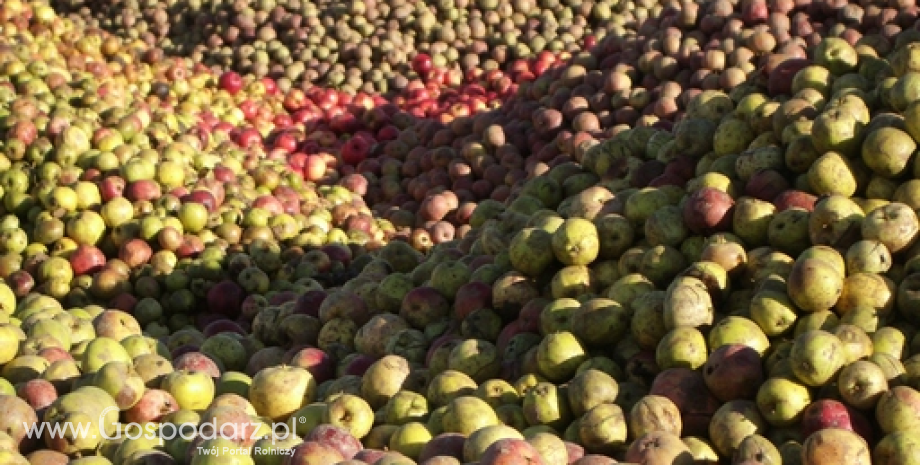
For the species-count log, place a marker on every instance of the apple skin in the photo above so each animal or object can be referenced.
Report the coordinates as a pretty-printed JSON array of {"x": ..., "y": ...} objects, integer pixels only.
[
  {"x": 575, "y": 451},
  {"x": 708, "y": 210},
  {"x": 312, "y": 453},
  {"x": 733, "y": 371},
  {"x": 830, "y": 413},
  {"x": 316, "y": 361},
  {"x": 197, "y": 361},
  {"x": 423, "y": 306},
  {"x": 38, "y": 393},
  {"x": 226, "y": 298},
  {"x": 780, "y": 79},
  {"x": 153, "y": 406},
  {"x": 509, "y": 451},
  {"x": 444, "y": 444},
  {"x": 310, "y": 302},
  {"x": 336, "y": 437},
  {"x": 471, "y": 296},
  {"x": 682, "y": 166},
  {"x": 111, "y": 187},
  {"x": 766, "y": 185},
  {"x": 794, "y": 198},
  {"x": 687, "y": 389},
  {"x": 87, "y": 259},
  {"x": 357, "y": 365},
  {"x": 223, "y": 326},
  {"x": 143, "y": 189}
]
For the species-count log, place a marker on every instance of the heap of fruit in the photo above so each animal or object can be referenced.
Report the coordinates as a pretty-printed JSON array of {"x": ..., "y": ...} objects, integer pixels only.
[
  {"x": 355, "y": 45},
  {"x": 686, "y": 235}
]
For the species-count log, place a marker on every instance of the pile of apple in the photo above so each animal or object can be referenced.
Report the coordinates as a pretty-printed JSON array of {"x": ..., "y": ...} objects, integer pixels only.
[{"x": 694, "y": 242}]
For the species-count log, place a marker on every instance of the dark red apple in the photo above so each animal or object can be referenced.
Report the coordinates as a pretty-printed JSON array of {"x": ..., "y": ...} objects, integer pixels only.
[
  {"x": 226, "y": 298},
  {"x": 203, "y": 197},
  {"x": 794, "y": 198},
  {"x": 681, "y": 166},
  {"x": 687, "y": 389},
  {"x": 766, "y": 185},
  {"x": 423, "y": 306},
  {"x": 357, "y": 365},
  {"x": 733, "y": 371},
  {"x": 356, "y": 149},
  {"x": 830, "y": 413},
  {"x": 338, "y": 253},
  {"x": 309, "y": 302},
  {"x": 708, "y": 210},
  {"x": 780, "y": 79},
  {"x": 444, "y": 444},
  {"x": 230, "y": 81},
  {"x": 223, "y": 326},
  {"x": 646, "y": 172},
  {"x": 87, "y": 259},
  {"x": 471, "y": 296}
]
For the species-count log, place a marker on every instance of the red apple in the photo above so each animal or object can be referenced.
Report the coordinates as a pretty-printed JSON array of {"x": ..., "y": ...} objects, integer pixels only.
[
  {"x": 135, "y": 253},
  {"x": 230, "y": 81},
  {"x": 153, "y": 406},
  {"x": 357, "y": 365},
  {"x": 38, "y": 393},
  {"x": 309, "y": 302},
  {"x": 422, "y": 64},
  {"x": 337, "y": 438},
  {"x": 444, "y": 444},
  {"x": 687, "y": 389},
  {"x": 269, "y": 203},
  {"x": 312, "y": 452},
  {"x": 316, "y": 361},
  {"x": 248, "y": 138},
  {"x": 470, "y": 297},
  {"x": 87, "y": 259},
  {"x": 511, "y": 451},
  {"x": 197, "y": 361},
  {"x": 733, "y": 371},
  {"x": 223, "y": 326},
  {"x": 794, "y": 198},
  {"x": 424, "y": 305},
  {"x": 829, "y": 413},
  {"x": 708, "y": 210},
  {"x": 780, "y": 79},
  {"x": 226, "y": 298},
  {"x": 356, "y": 149},
  {"x": 766, "y": 185},
  {"x": 111, "y": 187},
  {"x": 338, "y": 253}
]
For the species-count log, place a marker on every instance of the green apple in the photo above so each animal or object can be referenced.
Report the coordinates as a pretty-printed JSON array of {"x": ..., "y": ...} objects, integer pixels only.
[{"x": 193, "y": 390}]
